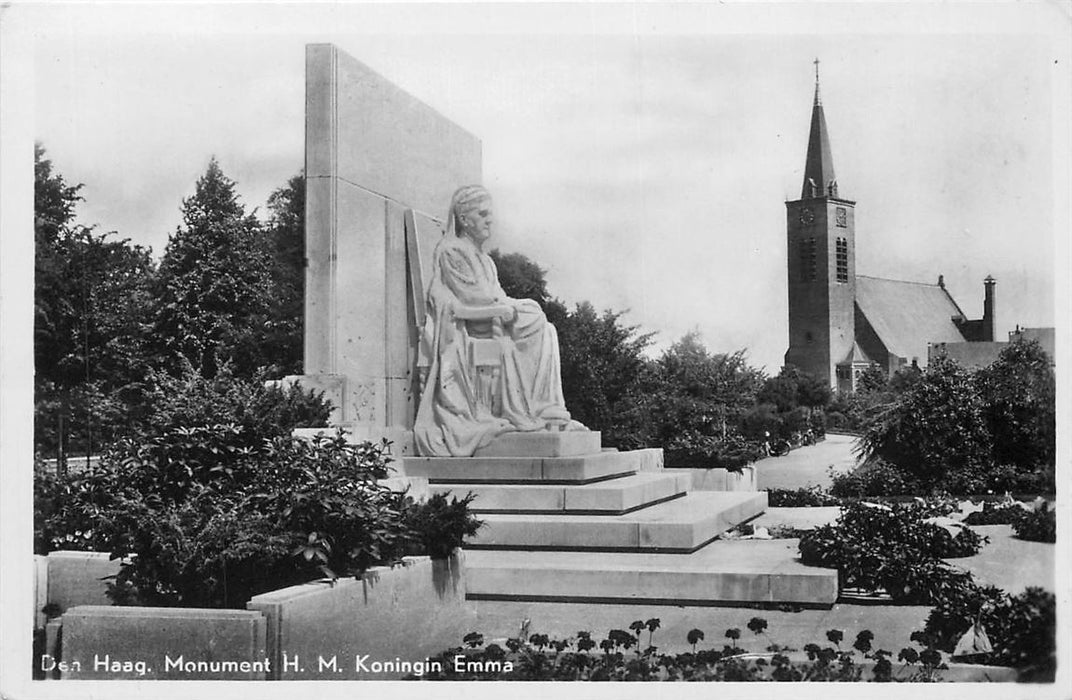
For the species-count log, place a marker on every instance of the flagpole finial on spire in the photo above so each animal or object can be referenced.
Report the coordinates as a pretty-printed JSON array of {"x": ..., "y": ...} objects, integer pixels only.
[{"x": 818, "y": 100}]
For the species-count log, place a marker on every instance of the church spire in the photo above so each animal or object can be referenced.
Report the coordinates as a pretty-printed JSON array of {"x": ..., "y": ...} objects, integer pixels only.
[{"x": 819, "y": 178}]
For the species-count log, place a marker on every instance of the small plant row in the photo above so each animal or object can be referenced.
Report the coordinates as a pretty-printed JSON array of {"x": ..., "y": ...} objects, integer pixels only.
[{"x": 621, "y": 656}]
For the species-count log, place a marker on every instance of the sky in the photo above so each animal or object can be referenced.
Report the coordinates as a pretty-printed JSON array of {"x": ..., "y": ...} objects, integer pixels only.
[{"x": 641, "y": 155}]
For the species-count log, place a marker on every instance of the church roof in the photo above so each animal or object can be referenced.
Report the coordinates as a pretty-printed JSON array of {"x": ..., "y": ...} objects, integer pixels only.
[
  {"x": 908, "y": 315},
  {"x": 856, "y": 355},
  {"x": 819, "y": 167}
]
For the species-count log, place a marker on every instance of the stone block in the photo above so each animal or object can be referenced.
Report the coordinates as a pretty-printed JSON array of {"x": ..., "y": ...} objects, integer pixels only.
[
  {"x": 509, "y": 497},
  {"x": 680, "y": 525},
  {"x": 404, "y": 614},
  {"x": 731, "y": 572},
  {"x": 372, "y": 153},
  {"x": 126, "y": 643},
  {"x": 719, "y": 479},
  {"x": 40, "y": 590},
  {"x": 362, "y": 128},
  {"x": 602, "y": 465},
  {"x": 78, "y": 578},
  {"x": 473, "y": 469},
  {"x": 649, "y": 459},
  {"x": 556, "y": 531},
  {"x": 626, "y": 493},
  {"x": 543, "y": 443}
]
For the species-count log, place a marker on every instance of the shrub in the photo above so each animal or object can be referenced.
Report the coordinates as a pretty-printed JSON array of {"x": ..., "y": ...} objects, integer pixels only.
[
  {"x": 693, "y": 449},
  {"x": 197, "y": 431},
  {"x": 293, "y": 511},
  {"x": 438, "y": 527},
  {"x": 261, "y": 411},
  {"x": 994, "y": 514},
  {"x": 877, "y": 478},
  {"x": 214, "y": 534},
  {"x": 1021, "y": 628},
  {"x": 807, "y": 496},
  {"x": 1038, "y": 525},
  {"x": 936, "y": 426},
  {"x": 891, "y": 547}
]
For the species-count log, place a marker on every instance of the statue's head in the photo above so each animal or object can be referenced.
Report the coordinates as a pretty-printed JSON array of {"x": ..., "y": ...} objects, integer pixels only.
[{"x": 470, "y": 213}]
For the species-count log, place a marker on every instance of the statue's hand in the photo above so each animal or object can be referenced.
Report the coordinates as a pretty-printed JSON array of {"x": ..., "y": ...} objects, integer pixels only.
[{"x": 422, "y": 375}]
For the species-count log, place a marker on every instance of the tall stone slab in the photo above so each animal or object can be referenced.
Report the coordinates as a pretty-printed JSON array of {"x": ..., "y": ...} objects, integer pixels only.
[{"x": 372, "y": 153}]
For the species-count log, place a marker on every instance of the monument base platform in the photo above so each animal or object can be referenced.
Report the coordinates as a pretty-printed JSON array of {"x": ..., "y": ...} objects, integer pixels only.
[
  {"x": 725, "y": 572},
  {"x": 566, "y": 521}
]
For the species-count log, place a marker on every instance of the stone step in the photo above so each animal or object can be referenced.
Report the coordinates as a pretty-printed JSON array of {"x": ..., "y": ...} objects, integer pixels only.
[
  {"x": 725, "y": 572},
  {"x": 523, "y": 470},
  {"x": 543, "y": 443},
  {"x": 680, "y": 525},
  {"x": 611, "y": 497}
]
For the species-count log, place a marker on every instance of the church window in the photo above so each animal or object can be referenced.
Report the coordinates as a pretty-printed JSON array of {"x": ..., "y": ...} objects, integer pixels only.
[
  {"x": 808, "y": 262},
  {"x": 842, "y": 255},
  {"x": 841, "y": 216}
]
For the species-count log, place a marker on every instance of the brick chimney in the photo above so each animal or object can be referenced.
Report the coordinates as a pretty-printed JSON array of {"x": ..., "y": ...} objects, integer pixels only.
[{"x": 988, "y": 308}]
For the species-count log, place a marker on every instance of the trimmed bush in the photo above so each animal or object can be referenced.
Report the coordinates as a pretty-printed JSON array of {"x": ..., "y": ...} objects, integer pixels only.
[
  {"x": 1039, "y": 525},
  {"x": 1021, "y": 628},
  {"x": 807, "y": 496},
  {"x": 877, "y": 478},
  {"x": 894, "y": 548}
]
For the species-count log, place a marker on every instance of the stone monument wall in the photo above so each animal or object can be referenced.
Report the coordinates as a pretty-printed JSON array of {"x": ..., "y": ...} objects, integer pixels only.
[{"x": 372, "y": 152}]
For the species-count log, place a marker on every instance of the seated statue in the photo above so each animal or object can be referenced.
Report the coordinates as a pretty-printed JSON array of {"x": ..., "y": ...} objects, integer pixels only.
[{"x": 463, "y": 407}]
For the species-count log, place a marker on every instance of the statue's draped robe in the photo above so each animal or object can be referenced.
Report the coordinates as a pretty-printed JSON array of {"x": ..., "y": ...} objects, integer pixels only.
[{"x": 450, "y": 422}]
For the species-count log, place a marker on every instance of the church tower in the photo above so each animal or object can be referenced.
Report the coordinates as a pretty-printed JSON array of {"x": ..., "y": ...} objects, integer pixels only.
[{"x": 821, "y": 237}]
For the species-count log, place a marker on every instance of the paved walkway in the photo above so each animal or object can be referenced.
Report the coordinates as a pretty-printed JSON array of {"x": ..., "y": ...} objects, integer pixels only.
[{"x": 807, "y": 466}]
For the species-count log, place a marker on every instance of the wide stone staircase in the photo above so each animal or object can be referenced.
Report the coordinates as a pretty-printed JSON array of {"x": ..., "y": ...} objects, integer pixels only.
[{"x": 566, "y": 520}]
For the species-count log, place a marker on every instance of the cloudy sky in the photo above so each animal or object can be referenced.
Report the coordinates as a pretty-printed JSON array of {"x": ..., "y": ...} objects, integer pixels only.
[{"x": 641, "y": 155}]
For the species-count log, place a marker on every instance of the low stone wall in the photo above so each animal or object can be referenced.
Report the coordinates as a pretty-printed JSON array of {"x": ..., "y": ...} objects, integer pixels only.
[
  {"x": 130, "y": 643},
  {"x": 78, "y": 578},
  {"x": 368, "y": 628},
  {"x": 719, "y": 479},
  {"x": 40, "y": 590}
]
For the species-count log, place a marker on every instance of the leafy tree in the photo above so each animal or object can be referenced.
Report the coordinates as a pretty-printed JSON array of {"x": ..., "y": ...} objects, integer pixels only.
[
  {"x": 1019, "y": 393},
  {"x": 283, "y": 341},
  {"x": 872, "y": 379},
  {"x": 793, "y": 387},
  {"x": 936, "y": 427},
  {"x": 92, "y": 306},
  {"x": 215, "y": 283},
  {"x": 602, "y": 371},
  {"x": 698, "y": 401},
  {"x": 521, "y": 278}
]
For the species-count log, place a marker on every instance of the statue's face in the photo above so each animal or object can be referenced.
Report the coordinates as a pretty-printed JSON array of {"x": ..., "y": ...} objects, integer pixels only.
[{"x": 476, "y": 220}]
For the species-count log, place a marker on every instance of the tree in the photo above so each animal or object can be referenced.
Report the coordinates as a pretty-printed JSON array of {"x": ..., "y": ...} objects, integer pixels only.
[
  {"x": 872, "y": 379},
  {"x": 1019, "y": 394},
  {"x": 697, "y": 400},
  {"x": 602, "y": 370},
  {"x": 792, "y": 388},
  {"x": 215, "y": 283},
  {"x": 283, "y": 343},
  {"x": 521, "y": 278},
  {"x": 92, "y": 309},
  {"x": 936, "y": 427}
]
